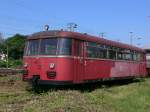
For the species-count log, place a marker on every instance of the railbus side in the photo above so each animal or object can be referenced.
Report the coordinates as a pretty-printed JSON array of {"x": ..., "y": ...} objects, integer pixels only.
[{"x": 68, "y": 60}]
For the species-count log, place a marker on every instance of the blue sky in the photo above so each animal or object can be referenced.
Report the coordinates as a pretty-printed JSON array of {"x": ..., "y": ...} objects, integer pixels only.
[{"x": 114, "y": 17}]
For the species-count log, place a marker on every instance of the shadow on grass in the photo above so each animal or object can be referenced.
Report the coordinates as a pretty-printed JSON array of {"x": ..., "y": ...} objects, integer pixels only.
[{"x": 87, "y": 87}]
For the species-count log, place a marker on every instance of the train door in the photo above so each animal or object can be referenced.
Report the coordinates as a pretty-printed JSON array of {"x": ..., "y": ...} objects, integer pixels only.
[{"x": 78, "y": 61}]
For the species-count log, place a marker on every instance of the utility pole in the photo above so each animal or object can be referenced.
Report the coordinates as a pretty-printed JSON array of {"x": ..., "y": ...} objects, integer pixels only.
[
  {"x": 139, "y": 38},
  {"x": 131, "y": 38},
  {"x": 7, "y": 56},
  {"x": 1, "y": 38},
  {"x": 102, "y": 34},
  {"x": 71, "y": 26}
]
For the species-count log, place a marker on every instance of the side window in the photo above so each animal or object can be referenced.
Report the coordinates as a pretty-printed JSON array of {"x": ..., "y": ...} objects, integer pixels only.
[
  {"x": 134, "y": 56},
  {"x": 101, "y": 53},
  {"x": 112, "y": 53},
  {"x": 127, "y": 55},
  {"x": 139, "y": 58},
  {"x": 142, "y": 56},
  {"x": 91, "y": 52},
  {"x": 119, "y": 54},
  {"x": 95, "y": 50}
]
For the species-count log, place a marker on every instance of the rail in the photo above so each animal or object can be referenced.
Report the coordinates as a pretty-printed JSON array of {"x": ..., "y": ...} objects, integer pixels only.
[{"x": 9, "y": 71}]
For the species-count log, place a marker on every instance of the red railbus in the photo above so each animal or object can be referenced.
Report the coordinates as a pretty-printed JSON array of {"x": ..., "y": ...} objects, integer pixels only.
[{"x": 62, "y": 57}]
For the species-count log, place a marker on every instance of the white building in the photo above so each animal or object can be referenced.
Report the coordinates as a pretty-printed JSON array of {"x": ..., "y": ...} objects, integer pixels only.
[
  {"x": 3, "y": 56},
  {"x": 147, "y": 49}
]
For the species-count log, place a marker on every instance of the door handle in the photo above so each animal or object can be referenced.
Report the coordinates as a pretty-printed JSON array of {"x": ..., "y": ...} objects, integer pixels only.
[
  {"x": 81, "y": 60},
  {"x": 85, "y": 63}
]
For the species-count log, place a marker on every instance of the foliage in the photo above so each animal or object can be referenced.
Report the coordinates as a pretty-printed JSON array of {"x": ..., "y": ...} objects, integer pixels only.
[
  {"x": 15, "y": 46},
  {"x": 2, "y": 64},
  {"x": 11, "y": 63}
]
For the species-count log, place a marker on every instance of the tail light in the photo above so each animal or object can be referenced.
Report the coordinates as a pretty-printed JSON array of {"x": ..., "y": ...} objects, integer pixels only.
[
  {"x": 51, "y": 74},
  {"x": 25, "y": 65}
]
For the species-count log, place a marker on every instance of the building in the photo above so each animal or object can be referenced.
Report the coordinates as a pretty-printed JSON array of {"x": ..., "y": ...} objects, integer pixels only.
[{"x": 147, "y": 49}]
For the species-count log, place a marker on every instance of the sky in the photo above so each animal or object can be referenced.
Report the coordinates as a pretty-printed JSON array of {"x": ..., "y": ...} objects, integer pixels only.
[{"x": 116, "y": 18}]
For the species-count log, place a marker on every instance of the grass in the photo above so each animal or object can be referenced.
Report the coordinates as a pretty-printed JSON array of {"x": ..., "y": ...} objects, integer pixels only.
[{"x": 133, "y": 96}]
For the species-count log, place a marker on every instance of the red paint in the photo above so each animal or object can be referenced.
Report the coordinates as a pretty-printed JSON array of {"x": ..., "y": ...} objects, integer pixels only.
[{"x": 78, "y": 67}]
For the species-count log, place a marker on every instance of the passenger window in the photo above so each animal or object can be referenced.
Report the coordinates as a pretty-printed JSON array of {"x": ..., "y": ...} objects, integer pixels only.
[
  {"x": 112, "y": 54},
  {"x": 101, "y": 53},
  {"x": 134, "y": 56},
  {"x": 127, "y": 56},
  {"x": 119, "y": 55},
  {"x": 139, "y": 57},
  {"x": 65, "y": 46},
  {"x": 91, "y": 52}
]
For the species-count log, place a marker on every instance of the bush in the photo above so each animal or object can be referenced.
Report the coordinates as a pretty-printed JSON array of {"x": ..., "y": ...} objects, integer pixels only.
[
  {"x": 2, "y": 64},
  {"x": 11, "y": 63},
  {"x": 14, "y": 63}
]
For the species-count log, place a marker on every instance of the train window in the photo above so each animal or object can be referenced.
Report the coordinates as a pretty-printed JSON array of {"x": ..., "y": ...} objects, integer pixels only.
[
  {"x": 91, "y": 44},
  {"x": 101, "y": 53},
  {"x": 65, "y": 46},
  {"x": 112, "y": 54},
  {"x": 139, "y": 57},
  {"x": 48, "y": 46},
  {"x": 91, "y": 52},
  {"x": 119, "y": 55},
  {"x": 32, "y": 48},
  {"x": 101, "y": 46},
  {"x": 134, "y": 56},
  {"x": 127, "y": 56}
]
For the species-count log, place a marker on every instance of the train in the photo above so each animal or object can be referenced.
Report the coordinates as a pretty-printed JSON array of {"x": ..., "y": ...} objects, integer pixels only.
[{"x": 58, "y": 57}]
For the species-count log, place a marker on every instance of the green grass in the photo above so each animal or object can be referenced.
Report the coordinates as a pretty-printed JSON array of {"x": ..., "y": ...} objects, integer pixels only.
[{"x": 130, "y": 97}]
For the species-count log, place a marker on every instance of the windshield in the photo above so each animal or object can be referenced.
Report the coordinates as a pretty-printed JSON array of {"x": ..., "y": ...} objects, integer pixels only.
[
  {"x": 49, "y": 46},
  {"x": 32, "y": 47}
]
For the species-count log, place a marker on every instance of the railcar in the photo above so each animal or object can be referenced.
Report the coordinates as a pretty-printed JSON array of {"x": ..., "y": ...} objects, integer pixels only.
[{"x": 63, "y": 57}]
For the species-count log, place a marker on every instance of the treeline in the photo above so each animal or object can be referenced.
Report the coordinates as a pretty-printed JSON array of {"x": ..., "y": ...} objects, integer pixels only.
[{"x": 12, "y": 50}]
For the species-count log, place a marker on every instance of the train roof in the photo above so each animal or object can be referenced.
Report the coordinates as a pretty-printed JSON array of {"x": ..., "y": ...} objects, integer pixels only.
[{"x": 81, "y": 36}]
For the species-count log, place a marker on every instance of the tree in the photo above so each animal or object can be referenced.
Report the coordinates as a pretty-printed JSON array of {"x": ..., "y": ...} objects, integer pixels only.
[
  {"x": 2, "y": 46},
  {"x": 15, "y": 45}
]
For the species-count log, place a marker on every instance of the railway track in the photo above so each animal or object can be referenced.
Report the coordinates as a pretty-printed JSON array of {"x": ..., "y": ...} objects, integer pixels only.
[{"x": 9, "y": 71}]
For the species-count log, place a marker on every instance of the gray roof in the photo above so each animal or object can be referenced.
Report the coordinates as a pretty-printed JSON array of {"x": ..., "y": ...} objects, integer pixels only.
[{"x": 146, "y": 47}]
